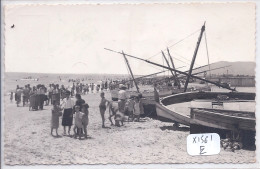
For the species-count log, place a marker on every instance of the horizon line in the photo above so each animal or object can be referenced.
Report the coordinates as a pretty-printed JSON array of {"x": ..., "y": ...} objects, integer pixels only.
[{"x": 73, "y": 73}]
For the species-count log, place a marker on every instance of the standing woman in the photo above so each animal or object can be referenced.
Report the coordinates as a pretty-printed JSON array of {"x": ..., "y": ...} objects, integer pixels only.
[
  {"x": 67, "y": 117},
  {"x": 33, "y": 100}
]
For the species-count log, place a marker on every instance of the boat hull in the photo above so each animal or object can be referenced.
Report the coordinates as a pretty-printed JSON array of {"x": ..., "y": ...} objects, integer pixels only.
[
  {"x": 205, "y": 118},
  {"x": 223, "y": 119},
  {"x": 167, "y": 115}
]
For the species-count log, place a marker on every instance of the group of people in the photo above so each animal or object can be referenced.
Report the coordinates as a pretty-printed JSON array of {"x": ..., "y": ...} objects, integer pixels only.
[
  {"x": 126, "y": 105},
  {"x": 24, "y": 95},
  {"x": 67, "y": 109},
  {"x": 132, "y": 107},
  {"x": 37, "y": 95}
]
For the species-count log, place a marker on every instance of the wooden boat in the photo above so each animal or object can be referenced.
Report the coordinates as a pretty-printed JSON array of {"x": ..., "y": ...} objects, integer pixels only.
[{"x": 212, "y": 117}]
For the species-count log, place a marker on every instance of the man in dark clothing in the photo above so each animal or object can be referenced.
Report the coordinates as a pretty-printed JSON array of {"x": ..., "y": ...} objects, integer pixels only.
[
  {"x": 79, "y": 101},
  {"x": 26, "y": 92}
]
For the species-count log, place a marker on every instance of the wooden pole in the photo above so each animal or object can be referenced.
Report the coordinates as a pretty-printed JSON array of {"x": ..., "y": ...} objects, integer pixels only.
[
  {"x": 194, "y": 57},
  {"x": 173, "y": 66},
  {"x": 128, "y": 65},
  {"x": 168, "y": 65}
]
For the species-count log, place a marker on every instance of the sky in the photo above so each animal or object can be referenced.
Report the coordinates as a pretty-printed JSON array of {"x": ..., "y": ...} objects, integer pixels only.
[{"x": 72, "y": 38}]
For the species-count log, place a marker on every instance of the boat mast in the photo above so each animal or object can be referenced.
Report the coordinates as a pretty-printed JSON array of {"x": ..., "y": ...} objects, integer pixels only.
[
  {"x": 168, "y": 66},
  {"x": 173, "y": 66},
  {"x": 128, "y": 65},
  {"x": 194, "y": 57}
]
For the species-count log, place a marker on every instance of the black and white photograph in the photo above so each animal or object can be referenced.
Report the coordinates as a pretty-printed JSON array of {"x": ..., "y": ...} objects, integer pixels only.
[{"x": 129, "y": 83}]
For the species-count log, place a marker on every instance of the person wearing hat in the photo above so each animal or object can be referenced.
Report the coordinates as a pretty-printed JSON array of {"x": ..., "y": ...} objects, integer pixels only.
[
  {"x": 122, "y": 97},
  {"x": 67, "y": 105}
]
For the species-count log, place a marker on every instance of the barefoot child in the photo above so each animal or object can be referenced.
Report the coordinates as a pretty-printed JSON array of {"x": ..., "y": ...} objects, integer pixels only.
[
  {"x": 56, "y": 113},
  {"x": 78, "y": 122},
  {"x": 113, "y": 108},
  {"x": 85, "y": 119},
  {"x": 102, "y": 107}
]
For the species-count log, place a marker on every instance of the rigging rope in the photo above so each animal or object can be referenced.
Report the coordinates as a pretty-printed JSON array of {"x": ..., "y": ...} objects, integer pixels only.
[
  {"x": 207, "y": 52},
  {"x": 184, "y": 58},
  {"x": 163, "y": 65},
  {"x": 174, "y": 44},
  {"x": 168, "y": 60}
]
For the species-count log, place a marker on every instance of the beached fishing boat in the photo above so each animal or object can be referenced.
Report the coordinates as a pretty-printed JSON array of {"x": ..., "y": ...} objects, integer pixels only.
[{"x": 208, "y": 109}]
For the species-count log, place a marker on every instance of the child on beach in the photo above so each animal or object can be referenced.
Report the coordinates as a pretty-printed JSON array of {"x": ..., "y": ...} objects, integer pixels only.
[
  {"x": 137, "y": 109},
  {"x": 113, "y": 108},
  {"x": 78, "y": 122},
  {"x": 102, "y": 107},
  {"x": 85, "y": 119},
  {"x": 56, "y": 113},
  {"x": 130, "y": 107}
]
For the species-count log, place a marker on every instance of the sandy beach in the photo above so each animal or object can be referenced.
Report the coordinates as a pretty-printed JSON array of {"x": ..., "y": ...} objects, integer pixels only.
[{"x": 27, "y": 140}]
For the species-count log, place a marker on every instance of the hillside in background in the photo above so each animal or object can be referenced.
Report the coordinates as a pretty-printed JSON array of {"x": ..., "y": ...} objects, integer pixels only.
[{"x": 235, "y": 68}]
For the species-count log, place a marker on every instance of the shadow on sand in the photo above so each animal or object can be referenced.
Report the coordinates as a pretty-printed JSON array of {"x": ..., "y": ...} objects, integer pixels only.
[
  {"x": 140, "y": 121},
  {"x": 58, "y": 136},
  {"x": 174, "y": 128},
  {"x": 106, "y": 127}
]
